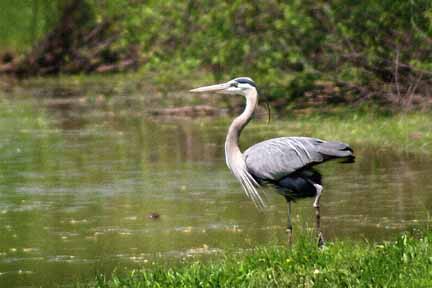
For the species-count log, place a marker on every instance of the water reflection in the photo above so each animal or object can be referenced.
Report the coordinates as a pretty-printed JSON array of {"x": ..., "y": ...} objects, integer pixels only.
[{"x": 77, "y": 187}]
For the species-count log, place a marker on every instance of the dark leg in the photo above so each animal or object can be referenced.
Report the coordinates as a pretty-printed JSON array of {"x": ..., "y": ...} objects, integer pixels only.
[
  {"x": 289, "y": 227},
  {"x": 316, "y": 205},
  {"x": 320, "y": 235}
]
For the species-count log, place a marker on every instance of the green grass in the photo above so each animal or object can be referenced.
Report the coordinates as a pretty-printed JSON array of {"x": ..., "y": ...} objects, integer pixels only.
[
  {"x": 401, "y": 132},
  {"x": 405, "y": 262},
  {"x": 17, "y": 27}
]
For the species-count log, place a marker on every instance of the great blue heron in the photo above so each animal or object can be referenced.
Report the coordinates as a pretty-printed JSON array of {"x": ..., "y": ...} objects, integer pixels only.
[{"x": 286, "y": 162}]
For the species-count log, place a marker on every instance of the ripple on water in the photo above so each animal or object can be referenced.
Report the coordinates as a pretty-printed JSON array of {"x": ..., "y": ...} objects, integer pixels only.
[{"x": 71, "y": 259}]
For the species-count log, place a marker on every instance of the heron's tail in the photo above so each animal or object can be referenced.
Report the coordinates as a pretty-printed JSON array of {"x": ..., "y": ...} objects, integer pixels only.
[{"x": 333, "y": 149}]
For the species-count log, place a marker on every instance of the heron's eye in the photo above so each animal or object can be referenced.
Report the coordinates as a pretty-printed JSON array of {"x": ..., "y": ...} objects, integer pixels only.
[{"x": 234, "y": 84}]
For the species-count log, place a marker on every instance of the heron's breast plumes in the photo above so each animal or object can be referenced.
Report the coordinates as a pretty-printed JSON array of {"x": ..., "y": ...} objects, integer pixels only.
[{"x": 236, "y": 163}]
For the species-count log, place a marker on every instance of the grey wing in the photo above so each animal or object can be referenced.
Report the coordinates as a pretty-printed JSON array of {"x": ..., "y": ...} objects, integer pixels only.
[{"x": 275, "y": 158}]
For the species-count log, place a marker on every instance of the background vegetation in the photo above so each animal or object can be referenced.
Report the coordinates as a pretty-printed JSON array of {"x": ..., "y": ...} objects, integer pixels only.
[{"x": 339, "y": 50}]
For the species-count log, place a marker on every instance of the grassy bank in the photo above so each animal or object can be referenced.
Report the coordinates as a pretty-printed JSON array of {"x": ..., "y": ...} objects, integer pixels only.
[
  {"x": 401, "y": 132},
  {"x": 362, "y": 126},
  {"x": 404, "y": 262}
]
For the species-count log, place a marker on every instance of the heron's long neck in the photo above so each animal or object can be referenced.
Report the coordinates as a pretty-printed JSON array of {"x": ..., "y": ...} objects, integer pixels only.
[
  {"x": 233, "y": 155},
  {"x": 232, "y": 150}
]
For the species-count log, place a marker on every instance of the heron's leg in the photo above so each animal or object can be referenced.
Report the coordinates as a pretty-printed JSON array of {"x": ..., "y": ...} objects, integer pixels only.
[
  {"x": 289, "y": 216},
  {"x": 319, "y": 189},
  {"x": 316, "y": 205},
  {"x": 289, "y": 227}
]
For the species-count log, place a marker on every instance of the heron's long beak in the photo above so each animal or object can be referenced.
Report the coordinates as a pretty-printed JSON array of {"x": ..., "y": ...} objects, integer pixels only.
[{"x": 211, "y": 88}]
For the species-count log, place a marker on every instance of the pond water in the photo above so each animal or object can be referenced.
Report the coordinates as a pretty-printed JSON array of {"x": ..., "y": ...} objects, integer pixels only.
[{"x": 87, "y": 186}]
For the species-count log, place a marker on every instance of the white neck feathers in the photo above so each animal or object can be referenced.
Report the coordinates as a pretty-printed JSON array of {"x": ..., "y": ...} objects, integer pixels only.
[{"x": 234, "y": 157}]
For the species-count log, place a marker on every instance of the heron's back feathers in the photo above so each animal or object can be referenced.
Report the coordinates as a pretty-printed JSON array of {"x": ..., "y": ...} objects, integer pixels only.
[{"x": 276, "y": 158}]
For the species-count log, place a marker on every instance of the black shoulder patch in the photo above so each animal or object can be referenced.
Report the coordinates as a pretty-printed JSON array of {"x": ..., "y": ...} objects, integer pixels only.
[{"x": 245, "y": 80}]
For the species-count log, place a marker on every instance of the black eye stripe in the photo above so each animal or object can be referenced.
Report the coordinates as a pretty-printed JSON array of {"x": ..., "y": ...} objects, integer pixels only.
[{"x": 245, "y": 81}]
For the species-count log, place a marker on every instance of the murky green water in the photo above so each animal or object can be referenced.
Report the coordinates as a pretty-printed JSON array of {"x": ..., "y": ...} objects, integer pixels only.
[{"x": 79, "y": 181}]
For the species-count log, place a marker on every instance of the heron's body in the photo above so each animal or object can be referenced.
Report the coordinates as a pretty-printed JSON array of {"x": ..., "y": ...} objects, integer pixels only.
[{"x": 286, "y": 162}]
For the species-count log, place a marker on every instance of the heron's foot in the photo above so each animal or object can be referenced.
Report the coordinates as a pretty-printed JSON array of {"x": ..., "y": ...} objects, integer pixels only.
[{"x": 321, "y": 241}]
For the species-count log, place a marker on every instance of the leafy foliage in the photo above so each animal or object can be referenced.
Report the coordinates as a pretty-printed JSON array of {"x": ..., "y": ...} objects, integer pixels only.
[
  {"x": 379, "y": 49},
  {"x": 381, "y": 45}
]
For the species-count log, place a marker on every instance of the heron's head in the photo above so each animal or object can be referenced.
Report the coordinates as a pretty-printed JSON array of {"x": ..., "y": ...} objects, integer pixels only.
[{"x": 240, "y": 86}]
